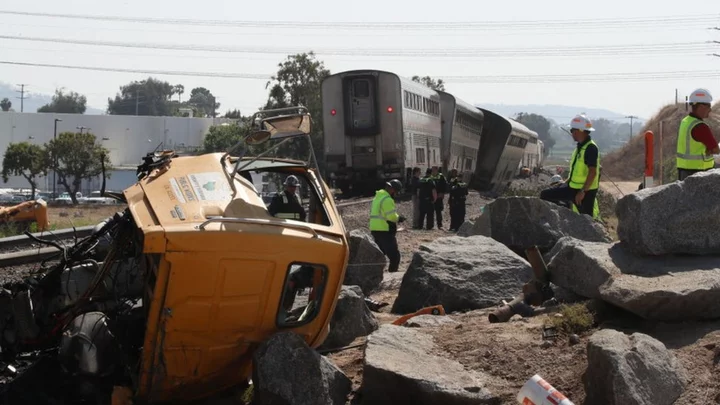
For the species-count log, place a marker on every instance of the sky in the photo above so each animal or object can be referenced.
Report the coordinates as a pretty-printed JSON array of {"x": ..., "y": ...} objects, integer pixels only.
[{"x": 537, "y": 40}]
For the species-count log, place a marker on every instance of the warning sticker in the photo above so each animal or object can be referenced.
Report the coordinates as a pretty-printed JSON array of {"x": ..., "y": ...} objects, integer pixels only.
[
  {"x": 176, "y": 190},
  {"x": 210, "y": 186}
]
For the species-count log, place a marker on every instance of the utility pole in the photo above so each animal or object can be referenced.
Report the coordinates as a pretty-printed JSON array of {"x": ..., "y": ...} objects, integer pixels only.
[
  {"x": 632, "y": 117},
  {"x": 137, "y": 100},
  {"x": 22, "y": 95}
]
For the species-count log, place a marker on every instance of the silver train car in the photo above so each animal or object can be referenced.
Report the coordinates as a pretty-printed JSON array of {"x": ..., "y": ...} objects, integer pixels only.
[
  {"x": 377, "y": 126},
  {"x": 460, "y": 140},
  {"x": 502, "y": 146}
]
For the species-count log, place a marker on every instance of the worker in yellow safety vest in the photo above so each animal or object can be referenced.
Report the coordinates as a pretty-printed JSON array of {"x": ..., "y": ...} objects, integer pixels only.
[
  {"x": 383, "y": 222},
  {"x": 286, "y": 204},
  {"x": 695, "y": 142},
  {"x": 583, "y": 181}
]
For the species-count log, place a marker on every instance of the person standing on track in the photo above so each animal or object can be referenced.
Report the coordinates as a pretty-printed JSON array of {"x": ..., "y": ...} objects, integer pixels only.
[
  {"x": 583, "y": 181},
  {"x": 383, "y": 222},
  {"x": 456, "y": 201},
  {"x": 696, "y": 143},
  {"x": 427, "y": 194},
  {"x": 441, "y": 188}
]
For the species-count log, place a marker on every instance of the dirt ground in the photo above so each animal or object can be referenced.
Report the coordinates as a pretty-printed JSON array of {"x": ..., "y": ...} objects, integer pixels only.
[{"x": 515, "y": 351}]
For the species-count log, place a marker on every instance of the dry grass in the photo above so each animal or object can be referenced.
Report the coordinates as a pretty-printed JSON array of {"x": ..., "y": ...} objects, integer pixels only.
[
  {"x": 575, "y": 318},
  {"x": 67, "y": 217},
  {"x": 628, "y": 163}
]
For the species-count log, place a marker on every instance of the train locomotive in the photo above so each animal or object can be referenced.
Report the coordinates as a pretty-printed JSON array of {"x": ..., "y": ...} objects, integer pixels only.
[{"x": 378, "y": 126}]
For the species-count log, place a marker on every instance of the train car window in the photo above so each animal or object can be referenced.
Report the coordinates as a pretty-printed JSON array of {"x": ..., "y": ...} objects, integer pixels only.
[
  {"x": 361, "y": 88},
  {"x": 420, "y": 155}
]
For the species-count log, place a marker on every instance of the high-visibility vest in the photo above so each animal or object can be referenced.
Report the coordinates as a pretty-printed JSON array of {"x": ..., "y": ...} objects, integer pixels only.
[
  {"x": 691, "y": 153},
  {"x": 579, "y": 170},
  {"x": 596, "y": 209},
  {"x": 382, "y": 210},
  {"x": 287, "y": 215}
]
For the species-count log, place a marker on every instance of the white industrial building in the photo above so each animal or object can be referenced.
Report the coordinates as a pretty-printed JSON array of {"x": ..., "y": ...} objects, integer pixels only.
[{"x": 127, "y": 137}]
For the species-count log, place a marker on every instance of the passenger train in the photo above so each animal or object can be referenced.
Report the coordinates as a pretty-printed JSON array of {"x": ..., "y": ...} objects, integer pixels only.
[{"x": 378, "y": 126}]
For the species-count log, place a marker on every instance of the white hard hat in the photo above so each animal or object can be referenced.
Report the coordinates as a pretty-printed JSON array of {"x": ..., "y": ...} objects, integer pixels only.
[
  {"x": 700, "y": 96},
  {"x": 555, "y": 179},
  {"x": 581, "y": 122}
]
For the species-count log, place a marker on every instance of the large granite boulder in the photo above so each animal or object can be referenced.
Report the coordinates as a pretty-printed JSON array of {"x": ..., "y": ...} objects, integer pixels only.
[
  {"x": 631, "y": 370},
  {"x": 522, "y": 222},
  {"x": 401, "y": 368},
  {"x": 461, "y": 274},
  {"x": 680, "y": 217},
  {"x": 366, "y": 262},
  {"x": 286, "y": 371},
  {"x": 673, "y": 288},
  {"x": 351, "y": 318}
]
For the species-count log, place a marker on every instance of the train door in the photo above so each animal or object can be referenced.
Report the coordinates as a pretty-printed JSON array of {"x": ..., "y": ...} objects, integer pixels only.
[
  {"x": 361, "y": 121},
  {"x": 362, "y": 104}
]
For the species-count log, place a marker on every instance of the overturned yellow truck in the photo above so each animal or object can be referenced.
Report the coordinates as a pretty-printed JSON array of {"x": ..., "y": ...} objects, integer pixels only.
[{"x": 196, "y": 275}]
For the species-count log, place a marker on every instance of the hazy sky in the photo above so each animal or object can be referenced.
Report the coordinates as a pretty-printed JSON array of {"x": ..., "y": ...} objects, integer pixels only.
[{"x": 555, "y": 29}]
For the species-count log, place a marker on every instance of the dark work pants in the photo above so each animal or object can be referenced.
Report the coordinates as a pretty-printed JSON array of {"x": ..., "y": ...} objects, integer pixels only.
[
  {"x": 417, "y": 224},
  {"x": 388, "y": 245},
  {"x": 457, "y": 215},
  {"x": 564, "y": 193},
  {"x": 685, "y": 173},
  {"x": 427, "y": 210},
  {"x": 439, "y": 211}
]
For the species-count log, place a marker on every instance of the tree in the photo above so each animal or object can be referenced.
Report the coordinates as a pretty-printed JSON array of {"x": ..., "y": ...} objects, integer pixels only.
[
  {"x": 147, "y": 97},
  {"x": 5, "y": 104},
  {"x": 233, "y": 114},
  {"x": 430, "y": 82},
  {"x": 298, "y": 82},
  {"x": 71, "y": 103},
  {"x": 222, "y": 137},
  {"x": 179, "y": 89},
  {"x": 604, "y": 133},
  {"x": 79, "y": 157},
  {"x": 203, "y": 101},
  {"x": 24, "y": 159},
  {"x": 539, "y": 124}
]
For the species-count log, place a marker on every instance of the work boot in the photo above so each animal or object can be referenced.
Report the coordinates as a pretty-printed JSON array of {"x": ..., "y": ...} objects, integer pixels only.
[{"x": 374, "y": 305}]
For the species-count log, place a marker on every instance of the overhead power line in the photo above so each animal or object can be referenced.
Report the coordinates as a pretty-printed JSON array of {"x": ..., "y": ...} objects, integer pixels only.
[
  {"x": 422, "y": 52},
  {"x": 584, "y": 77},
  {"x": 450, "y": 25}
]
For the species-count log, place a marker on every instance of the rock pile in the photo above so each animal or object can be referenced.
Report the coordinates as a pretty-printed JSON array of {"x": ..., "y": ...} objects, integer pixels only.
[
  {"x": 279, "y": 361},
  {"x": 644, "y": 273},
  {"x": 366, "y": 263},
  {"x": 664, "y": 289},
  {"x": 680, "y": 217},
  {"x": 522, "y": 222},
  {"x": 461, "y": 274},
  {"x": 351, "y": 319}
]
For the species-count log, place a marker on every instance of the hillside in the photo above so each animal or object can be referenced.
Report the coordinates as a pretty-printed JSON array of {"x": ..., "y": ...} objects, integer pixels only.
[
  {"x": 557, "y": 113},
  {"x": 627, "y": 163}
]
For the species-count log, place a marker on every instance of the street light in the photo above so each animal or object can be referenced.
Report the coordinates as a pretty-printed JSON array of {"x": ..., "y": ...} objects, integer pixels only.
[
  {"x": 81, "y": 129},
  {"x": 55, "y": 159}
]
